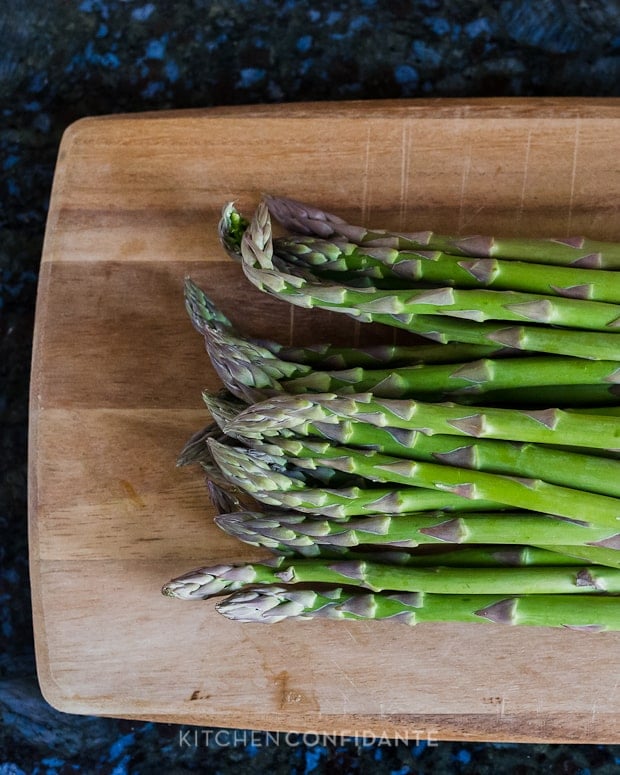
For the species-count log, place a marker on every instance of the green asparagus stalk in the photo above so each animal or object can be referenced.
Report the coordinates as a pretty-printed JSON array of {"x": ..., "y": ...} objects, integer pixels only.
[
  {"x": 603, "y": 398},
  {"x": 309, "y": 290},
  {"x": 605, "y": 554},
  {"x": 329, "y": 356},
  {"x": 296, "y": 532},
  {"x": 272, "y": 603},
  {"x": 203, "y": 583},
  {"x": 558, "y": 341},
  {"x": 207, "y": 319},
  {"x": 252, "y": 376},
  {"x": 557, "y": 466},
  {"x": 251, "y": 371},
  {"x": 457, "y": 556},
  {"x": 239, "y": 362},
  {"x": 387, "y": 266},
  {"x": 572, "y": 251},
  {"x": 515, "y": 492},
  {"x": 301, "y": 414},
  {"x": 240, "y": 366},
  {"x": 427, "y": 312},
  {"x": 290, "y": 533},
  {"x": 272, "y": 486},
  {"x": 338, "y": 256}
]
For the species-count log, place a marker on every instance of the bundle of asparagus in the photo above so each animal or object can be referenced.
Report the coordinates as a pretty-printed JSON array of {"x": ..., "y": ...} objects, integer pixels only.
[{"x": 472, "y": 479}]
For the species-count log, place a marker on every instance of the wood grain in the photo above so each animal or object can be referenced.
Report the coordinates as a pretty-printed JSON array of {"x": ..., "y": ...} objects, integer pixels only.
[{"x": 116, "y": 383}]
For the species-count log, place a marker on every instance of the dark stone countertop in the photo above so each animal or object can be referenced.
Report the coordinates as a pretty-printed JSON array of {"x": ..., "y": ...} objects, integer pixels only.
[{"x": 60, "y": 61}]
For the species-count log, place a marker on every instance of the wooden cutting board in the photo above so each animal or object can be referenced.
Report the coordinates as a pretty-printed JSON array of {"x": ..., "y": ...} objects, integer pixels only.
[{"x": 116, "y": 391}]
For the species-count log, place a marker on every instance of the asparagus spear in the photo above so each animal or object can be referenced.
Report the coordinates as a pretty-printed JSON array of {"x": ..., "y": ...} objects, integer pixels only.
[
  {"x": 309, "y": 290},
  {"x": 329, "y": 356},
  {"x": 426, "y": 312},
  {"x": 601, "y": 397},
  {"x": 274, "y": 603},
  {"x": 208, "y": 319},
  {"x": 249, "y": 373},
  {"x": 457, "y": 556},
  {"x": 289, "y": 490},
  {"x": 338, "y": 256},
  {"x": 604, "y": 554},
  {"x": 557, "y": 466},
  {"x": 203, "y": 583},
  {"x": 572, "y": 251},
  {"x": 559, "y": 341},
  {"x": 301, "y": 414},
  {"x": 332, "y": 259},
  {"x": 296, "y": 532},
  {"x": 516, "y": 492},
  {"x": 239, "y": 363},
  {"x": 290, "y": 533}
]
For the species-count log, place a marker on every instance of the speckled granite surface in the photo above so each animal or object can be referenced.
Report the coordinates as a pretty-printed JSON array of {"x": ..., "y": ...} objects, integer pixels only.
[{"x": 64, "y": 59}]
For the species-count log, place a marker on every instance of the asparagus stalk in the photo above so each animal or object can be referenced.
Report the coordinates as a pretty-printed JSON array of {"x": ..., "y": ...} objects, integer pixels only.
[
  {"x": 557, "y": 466},
  {"x": 338, "y": 256},
  {"x": 572, "y": 251},
  {"x": 290, "y": 534},
  {"x": 296, "y": 532},
  {"x": 301, "y": 414},
  {"x": 252, "y": 371},
  {"x": 387, "y": 266},
  {"x": 203, "y": 583},
  {"x": 207, "y": 319},
  {"x": 558, "y": 341},
  {"x": 517, "y": 492},
  {"x": 274, "y": 603},
  {"x": 600, "y": 397},
  {"x": 427, "y": 312},
  {"x": 492, "y": 556},
  {"x": 289, "y": 490},
  {"x": 309, "y": 290},
  {"x": 605, "y": 554},
  {"x": 242, "y": 368},
  {"x": 455, "y": 555},
  {"x": 329, "y": 356}
]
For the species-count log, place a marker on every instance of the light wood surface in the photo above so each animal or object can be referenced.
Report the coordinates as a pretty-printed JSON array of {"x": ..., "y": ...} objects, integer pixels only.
[{"x": 116, "y": 383}]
